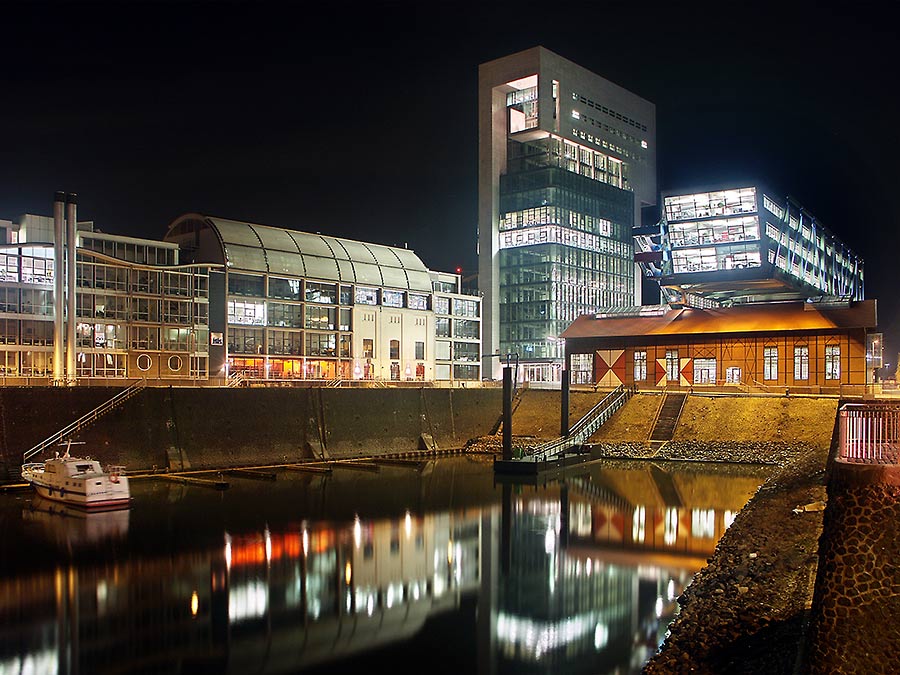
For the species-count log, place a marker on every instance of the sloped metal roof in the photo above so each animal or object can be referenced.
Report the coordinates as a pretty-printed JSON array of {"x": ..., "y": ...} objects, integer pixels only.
[
  {"x": 251, "y": 247},
  {"x": 750, "y": 318}
]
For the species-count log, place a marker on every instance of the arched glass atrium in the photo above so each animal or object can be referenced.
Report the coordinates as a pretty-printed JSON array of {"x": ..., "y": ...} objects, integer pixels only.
[{"x": 295, "y": 305}]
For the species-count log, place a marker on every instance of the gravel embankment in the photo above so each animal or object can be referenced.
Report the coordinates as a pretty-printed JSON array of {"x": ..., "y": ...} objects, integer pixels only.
[{"x": 747, "y": 610}]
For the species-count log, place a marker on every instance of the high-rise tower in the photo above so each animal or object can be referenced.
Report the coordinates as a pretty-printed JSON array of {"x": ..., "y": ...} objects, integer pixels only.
[{"x": 566, "y": 160}]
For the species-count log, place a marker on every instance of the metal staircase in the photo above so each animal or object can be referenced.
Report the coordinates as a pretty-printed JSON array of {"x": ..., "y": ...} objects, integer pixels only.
[
  {"x": 86, "y": 420},
  {"x": 669, "y": 412},
  {"x": 583, "y": 428}
]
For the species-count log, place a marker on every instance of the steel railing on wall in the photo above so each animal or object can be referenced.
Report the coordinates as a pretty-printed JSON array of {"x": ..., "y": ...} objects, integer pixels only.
[
  {"x": 86, "y": 420},
  {"x": 869, "y": 433}
]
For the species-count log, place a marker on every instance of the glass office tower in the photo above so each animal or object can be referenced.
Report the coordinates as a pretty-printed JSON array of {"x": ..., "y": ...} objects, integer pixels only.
[{"x": 566, "y": 161}]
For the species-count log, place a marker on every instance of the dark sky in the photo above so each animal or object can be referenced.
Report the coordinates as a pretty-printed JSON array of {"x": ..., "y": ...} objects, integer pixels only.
[{"x": 359, "y": 120}]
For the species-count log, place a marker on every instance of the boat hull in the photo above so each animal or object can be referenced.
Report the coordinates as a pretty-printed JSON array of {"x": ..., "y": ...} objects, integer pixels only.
[{"x": 81, "y": 499}]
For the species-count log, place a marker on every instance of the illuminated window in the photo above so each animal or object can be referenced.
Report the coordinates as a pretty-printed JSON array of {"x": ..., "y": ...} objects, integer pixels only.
[
  {"x": 392, "y": 298},
  {"x": 801, "y": 363},
  {"x": 417, "y": 301},
  {"x": 672, "y": 369},
  {"x": 395, "y": 349},
  {"x": 368, "y": 348},
  {"x": 420, "y": 350},
  {"x": 318, "y": 292},
  {"x": 832, "y": 362},
  {"x": 770, "y": 363},
  {"x": 582, "y": 367},
  {"x": 640, "y": 366},
  {"x": 442, "y": 327},
  {"x": 366, "y": 296},
  {"x": 704, "y": 371}
]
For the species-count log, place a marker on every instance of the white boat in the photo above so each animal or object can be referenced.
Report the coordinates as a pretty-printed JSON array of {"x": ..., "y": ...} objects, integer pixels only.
[{"x": 79, "y": 481}]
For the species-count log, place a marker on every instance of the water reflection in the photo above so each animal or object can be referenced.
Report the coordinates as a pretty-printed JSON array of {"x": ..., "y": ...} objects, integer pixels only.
[{"x": 578, "y": 575}]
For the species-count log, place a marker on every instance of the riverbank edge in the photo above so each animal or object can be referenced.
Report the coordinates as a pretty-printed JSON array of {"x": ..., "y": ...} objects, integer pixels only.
[{"x": 748, "y": 609}]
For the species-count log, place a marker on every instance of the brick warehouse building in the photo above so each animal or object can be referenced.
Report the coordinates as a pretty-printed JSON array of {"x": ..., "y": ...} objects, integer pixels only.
[{"x": 805, "y": 346}]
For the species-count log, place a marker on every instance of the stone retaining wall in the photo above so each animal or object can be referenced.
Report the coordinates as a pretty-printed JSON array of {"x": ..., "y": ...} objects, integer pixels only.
[{"x": 853, "y": 626}]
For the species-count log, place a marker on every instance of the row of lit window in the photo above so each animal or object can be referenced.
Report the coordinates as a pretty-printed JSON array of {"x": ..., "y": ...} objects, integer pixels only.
[
  {"x": 609, "y": 111},
  {"x": 708, "y": 204},
  {"x": 555, "y": 215},
  {"x": 705, "y": 371}
]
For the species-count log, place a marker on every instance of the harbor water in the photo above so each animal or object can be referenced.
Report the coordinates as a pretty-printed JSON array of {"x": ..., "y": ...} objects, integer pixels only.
[{"x": 407, "y": 566}]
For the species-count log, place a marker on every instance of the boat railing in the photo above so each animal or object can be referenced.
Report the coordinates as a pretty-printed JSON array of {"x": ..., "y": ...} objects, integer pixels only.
[
  {"x": 30, "y": 466},
  {"x": 86, "y": 419}
]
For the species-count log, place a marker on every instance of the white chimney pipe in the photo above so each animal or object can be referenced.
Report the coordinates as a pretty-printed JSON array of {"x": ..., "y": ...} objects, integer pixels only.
[
  {"x": 72, "y": 222},
  {"x": 59, "y": 286}
]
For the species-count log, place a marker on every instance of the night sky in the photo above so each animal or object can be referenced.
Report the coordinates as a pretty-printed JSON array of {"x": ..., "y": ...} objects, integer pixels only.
[{"x": 359, "y": 120}]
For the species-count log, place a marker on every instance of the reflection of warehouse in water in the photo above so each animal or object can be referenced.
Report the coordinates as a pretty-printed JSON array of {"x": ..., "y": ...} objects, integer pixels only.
[{"x": 297, "y": 596}]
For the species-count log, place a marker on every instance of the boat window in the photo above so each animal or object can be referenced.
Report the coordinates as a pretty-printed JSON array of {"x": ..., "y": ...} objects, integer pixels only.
[{"x": 83, "y": 467}]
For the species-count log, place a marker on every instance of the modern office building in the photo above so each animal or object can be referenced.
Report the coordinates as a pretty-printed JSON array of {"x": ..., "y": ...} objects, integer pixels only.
[
  {"x": 135, "y": 312},
  {"x": 731, "y": 245},
  {"x": 220, "y": 299},
  {"x": 288, "y": 305},
  {"x": 566, "y": 162}
]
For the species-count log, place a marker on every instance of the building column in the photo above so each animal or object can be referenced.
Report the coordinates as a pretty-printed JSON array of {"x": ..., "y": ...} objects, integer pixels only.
[
  {"x": 71, "y": 366},
  {"x": 59, "y": 285}
]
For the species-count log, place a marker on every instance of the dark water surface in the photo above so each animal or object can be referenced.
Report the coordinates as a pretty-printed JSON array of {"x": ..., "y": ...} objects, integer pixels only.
[{"x": 425, "y": 568}]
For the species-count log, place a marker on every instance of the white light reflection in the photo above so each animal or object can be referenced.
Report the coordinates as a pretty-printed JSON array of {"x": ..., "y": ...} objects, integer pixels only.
[
  {"x": 536, "y": 638},
  {"x": 638, "y": 524},
  {"x": 357, "y": 532},
  {"x": 305, "y": 542},
  {"x": 729, "y": 517},
  {"x": 670, "y": 535},
  {"x": 247, "y": 601},
  {"x": 408, "y": 525},
  {"x": 227, "y": 551},
  {"x": 659, "y": 607},
  {"x": 268, "y": 538},
  {"x": 670, "y": 589},
  {"x": 45, "y": 662}
]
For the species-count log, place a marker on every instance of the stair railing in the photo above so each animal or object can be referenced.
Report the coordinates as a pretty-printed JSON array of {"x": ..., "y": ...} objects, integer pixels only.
[{"x": 86, "y": 419}]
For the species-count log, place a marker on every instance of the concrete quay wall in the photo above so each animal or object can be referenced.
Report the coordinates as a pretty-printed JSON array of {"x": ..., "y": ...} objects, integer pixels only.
[{"x": 186, "y": 427}]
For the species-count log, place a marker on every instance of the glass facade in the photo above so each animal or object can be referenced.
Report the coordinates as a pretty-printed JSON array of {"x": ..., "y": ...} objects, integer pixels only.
[
  {"x": 565, "y": 247},
  {"x": 457, "y": 327},
  {"x": 137, "y": 312},
  {"x": 742, "y": 234}
]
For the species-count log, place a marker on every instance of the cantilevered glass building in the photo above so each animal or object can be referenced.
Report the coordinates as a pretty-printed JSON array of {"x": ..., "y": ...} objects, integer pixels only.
[
  {"x": 742, "y": 244},
  {"x": 566, "y": 162}
]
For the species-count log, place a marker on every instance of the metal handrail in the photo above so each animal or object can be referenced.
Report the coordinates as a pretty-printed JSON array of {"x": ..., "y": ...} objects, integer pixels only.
[
  {"x": 869, "y": 433},
  {"x": 585, "y": 427},
  {"x": 78, "y": 424}
]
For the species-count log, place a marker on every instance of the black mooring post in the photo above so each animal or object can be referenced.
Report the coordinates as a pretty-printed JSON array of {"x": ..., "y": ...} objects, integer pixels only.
[
  {"x": 564, "y": 404},
  {"x": 507, "y": 414}
]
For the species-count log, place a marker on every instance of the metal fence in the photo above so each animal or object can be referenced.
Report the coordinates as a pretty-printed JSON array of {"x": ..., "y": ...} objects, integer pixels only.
[{"x": 869, "y": 433}]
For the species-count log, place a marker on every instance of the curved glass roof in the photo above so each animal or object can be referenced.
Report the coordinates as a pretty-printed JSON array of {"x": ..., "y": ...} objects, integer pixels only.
[{"x": 261, "y": 248}]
